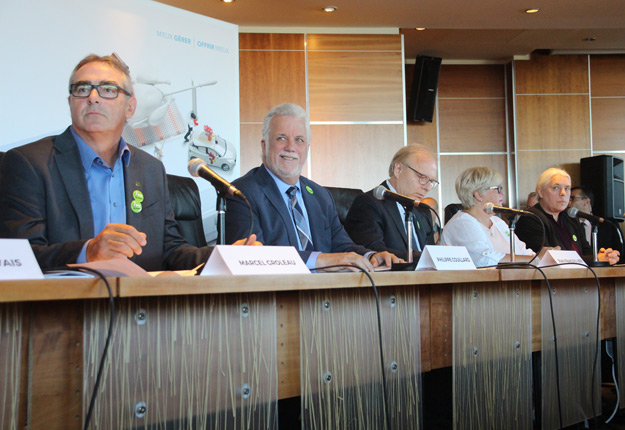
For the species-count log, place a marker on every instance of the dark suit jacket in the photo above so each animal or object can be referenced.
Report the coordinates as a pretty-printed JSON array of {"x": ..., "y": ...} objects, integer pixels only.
[
  {"x": 44, "y": 198},
  {"x": 530, "y": 231},
  {"x": 377, "y": 224},
  {"x": 272, "y": 220}
]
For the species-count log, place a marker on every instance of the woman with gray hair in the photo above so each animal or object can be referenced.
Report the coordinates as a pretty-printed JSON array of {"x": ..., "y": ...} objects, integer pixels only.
[
  {"x": 554, "y": 189},
  {"x": 486, "y": 237}
]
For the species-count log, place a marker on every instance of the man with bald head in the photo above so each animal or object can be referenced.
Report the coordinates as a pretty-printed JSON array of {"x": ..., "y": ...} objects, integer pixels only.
[{"x": 379, "y": 224}]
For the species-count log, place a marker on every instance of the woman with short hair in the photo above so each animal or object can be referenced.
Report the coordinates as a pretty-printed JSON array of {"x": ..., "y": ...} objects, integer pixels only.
[{"x": 486, "y": 237}]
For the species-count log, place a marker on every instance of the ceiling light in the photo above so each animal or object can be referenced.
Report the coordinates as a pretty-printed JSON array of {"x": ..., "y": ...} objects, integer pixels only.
[
  {"x": 228, "y": 1},
  {"x": 533, "y": 10},
  {"x": 420, "y": 28},
  {"x": 330, "y": 8}
]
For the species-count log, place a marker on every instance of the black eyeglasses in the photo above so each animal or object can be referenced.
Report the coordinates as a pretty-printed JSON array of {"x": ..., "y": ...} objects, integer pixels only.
[
  {"x": 106, "y": 91},
  {"x": 499, "y": 189},
  {"x": 424, "y": 179}
]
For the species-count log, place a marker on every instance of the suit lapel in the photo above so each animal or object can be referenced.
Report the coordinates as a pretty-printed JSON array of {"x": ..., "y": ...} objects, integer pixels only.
[
  {"x": 314, "y": 213},
  {"x": 272, "y": 194},
  {"x": 69, "y": 164},
  {"x": 133, "y": 180}
]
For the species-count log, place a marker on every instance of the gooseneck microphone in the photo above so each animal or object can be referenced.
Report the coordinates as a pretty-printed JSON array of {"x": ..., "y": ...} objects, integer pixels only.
[
  {"x": 576, "y": 213},
  {"x": 490, "y": 208},
  {"x": 381, "y": 193},
  {"x": 198, "y": 168}
]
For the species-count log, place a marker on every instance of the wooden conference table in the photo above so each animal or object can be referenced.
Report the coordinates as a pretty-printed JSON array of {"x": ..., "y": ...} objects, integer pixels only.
[{"x": 218, "y": 352}]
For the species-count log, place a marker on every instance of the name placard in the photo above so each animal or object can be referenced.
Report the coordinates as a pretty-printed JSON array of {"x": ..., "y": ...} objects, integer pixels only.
[
  {"x": 254, "y": 260},
  {"x": 558, "y": 256},
  {"x": 445, "y": 258},
  {"x": 17, "y": 260}
]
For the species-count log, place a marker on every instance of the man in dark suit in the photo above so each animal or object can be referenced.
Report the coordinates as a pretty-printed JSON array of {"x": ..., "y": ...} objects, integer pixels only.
[
  {"x": 85, "y": 195},
  {"x": 289, "y": 209},
  {"x": 583, "y": 199},
  {"x": 380, "y": 224}
]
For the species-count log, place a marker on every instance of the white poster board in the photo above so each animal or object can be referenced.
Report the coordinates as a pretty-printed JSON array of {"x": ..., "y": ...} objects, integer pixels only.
[{"x": 171, "y": 53}]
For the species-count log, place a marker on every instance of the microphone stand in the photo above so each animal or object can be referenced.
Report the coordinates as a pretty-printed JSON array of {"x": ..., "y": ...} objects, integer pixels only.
[
  {"x": 593, "y": 238},
  {"x": 512, "y": 227},
  {"x": 409, "y": 217},
  {"x": 221, "y": 218}
]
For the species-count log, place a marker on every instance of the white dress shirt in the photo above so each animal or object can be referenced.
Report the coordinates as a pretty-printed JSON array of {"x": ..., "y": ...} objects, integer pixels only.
[{"x": 486, "y": 246}]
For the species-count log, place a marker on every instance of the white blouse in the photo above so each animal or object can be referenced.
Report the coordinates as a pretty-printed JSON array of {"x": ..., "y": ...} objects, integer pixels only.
[{"x": 486, "y": 246}]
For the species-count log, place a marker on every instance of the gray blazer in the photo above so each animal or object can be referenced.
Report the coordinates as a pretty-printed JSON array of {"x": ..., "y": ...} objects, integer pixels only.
[{"x": 44, "y": 198}]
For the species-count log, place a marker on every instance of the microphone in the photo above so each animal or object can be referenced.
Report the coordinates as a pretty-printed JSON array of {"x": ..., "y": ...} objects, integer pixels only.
[
  {"x": 381, "y": 193},
  {"x": 576, "y": 213},
  {"x": 490, "y": 208},
  {"x": 197, "y": 167}
]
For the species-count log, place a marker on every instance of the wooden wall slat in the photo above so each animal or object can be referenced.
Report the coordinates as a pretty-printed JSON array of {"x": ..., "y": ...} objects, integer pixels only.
[
  {"x": 608, "y": 124},
  {"x": 533, "y": 163},
  {"x": 607, "y": 75},
  {"x": 355, "y": 86},
  {"x": 453, "y": 165},
  {"x": 472, "y": 125},
  {"x": 363, "y": 164},
  {"x": 251, "y": 134},
  {"x": 274, "y": 41},
  {"x": 354, "y": 42},
  {"x": 553, "y": 122},
  {"x": 552, "y": 74},
  {"x": 268, "y": 78},
  {"x": 471, "y": 81}
]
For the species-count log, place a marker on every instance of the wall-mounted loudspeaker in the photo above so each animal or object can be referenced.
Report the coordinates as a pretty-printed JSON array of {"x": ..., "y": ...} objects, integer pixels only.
[
  {"x": 605, "y": 176},
  {"x": 424, "y": 87}
]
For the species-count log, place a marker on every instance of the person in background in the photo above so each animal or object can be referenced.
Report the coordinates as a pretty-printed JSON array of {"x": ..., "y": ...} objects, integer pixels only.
[
  {"x": 380, "y": 224},
  {"x": 289, "y": 209},
  {"x": 554, "y": 190},
  {"x": 583, "y": 199},
  {"x": 85, "y": 195},
  {"x": 486, "y": 236},
  {"x": 532, "y": 199}
]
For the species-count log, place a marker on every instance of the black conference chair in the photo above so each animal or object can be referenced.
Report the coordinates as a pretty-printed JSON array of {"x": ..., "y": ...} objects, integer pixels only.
[
  {"x": 184, "y": 196},
  {"x": 343, "y": 198},
  {"x": 451, "y": 209}
]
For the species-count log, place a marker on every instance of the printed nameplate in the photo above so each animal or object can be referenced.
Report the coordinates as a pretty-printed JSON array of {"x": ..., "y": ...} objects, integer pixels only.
[
  {"x": 17, "y": 260},
  {"x": 445, "y": 258},
  {"x": 254, "y": 260},
  {"x": 558, "y": 256}
]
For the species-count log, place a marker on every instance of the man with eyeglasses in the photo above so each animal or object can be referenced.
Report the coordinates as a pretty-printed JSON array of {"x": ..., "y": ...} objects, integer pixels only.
[
  {"x": 289, "y": 209},
  {"x": 85, "y": 195},
  {"x": 379, "y": 224},
  {"x": 583, "y": 199}
]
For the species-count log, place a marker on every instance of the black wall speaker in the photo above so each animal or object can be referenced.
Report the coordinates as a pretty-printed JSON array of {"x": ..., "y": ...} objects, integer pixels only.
[
  {"x": 424, "y": 87},
  {"x": 605, "y": 176}
]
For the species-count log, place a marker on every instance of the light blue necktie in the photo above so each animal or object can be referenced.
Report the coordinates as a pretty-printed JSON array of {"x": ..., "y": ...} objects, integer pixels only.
[{"x": 300, "y": 222}]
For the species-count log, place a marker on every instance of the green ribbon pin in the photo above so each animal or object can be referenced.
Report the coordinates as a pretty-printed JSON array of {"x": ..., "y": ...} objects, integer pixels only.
[{"x": 310, "y": 190}]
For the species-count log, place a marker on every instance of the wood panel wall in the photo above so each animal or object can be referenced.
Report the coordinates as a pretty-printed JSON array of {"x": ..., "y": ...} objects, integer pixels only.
[
  {"x": 352, "y": 87},
  {"x": 529, "y": 115}
]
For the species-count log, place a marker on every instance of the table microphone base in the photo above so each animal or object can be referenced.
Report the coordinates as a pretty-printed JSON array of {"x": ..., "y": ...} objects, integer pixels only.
[{"x": 598, "y": 264}]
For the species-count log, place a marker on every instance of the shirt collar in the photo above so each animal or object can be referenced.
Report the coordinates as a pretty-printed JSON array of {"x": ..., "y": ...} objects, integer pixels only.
[
  {"x": 283, "y": 186},
  {"x": 88, "y": 155}
]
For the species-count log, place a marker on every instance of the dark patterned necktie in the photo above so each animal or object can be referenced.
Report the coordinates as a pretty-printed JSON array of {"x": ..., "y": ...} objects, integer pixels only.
[{"x": 300, "y": 222}]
